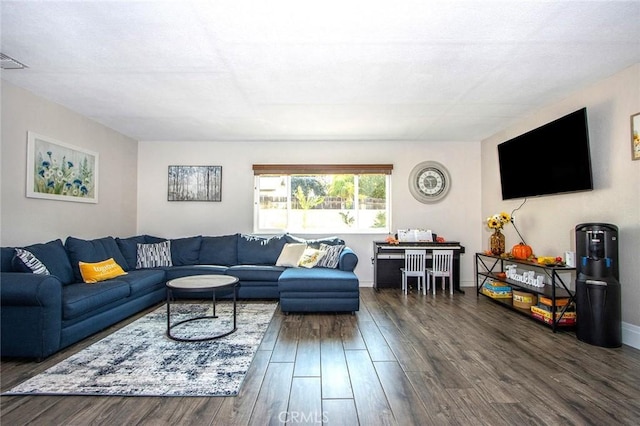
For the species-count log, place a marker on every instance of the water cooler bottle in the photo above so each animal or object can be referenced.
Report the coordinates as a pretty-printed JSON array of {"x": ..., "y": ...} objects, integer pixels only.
[{"x": 598, "y": 299}]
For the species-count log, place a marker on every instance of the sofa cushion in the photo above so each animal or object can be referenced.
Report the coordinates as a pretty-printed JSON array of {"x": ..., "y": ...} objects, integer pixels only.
[
  {"x": 346, "y": 302},
  {"x": 318, "y": 295},
  {"x": 143, "y": 280},
  {"x": 79, "y": 299},
  {"x": 150, "y": 239},
  {"x": 317, "y": 280},
  {"x": 331, "y": 255},
  {"x": 54, "y": 257},
  {"x": 100, "y": 271},
  {"x": 154, "y": 255},
  {"x": 222, "y": 250},
  {"x": 129, "y": 248},
  {"x": 25, "y": 261},
  {"x": 92, "y": 251},
  {"x": 315, "y": 243},
  {"x": 185, "y": 251},
  {"x": 255, "y": 250},
  {"x": 6, "y": 256},
  {"x": 185, "y": 271},
  {"x": 256, "y": 272}
]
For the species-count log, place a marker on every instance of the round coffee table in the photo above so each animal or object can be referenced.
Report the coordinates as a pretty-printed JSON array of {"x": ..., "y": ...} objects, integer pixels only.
[{"x": 199, "y": 283}]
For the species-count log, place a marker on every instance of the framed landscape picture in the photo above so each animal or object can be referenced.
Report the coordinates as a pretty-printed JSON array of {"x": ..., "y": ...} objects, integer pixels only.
[
  {"x": 195, "y": 183},
  {"x": 59, "y": 171}
]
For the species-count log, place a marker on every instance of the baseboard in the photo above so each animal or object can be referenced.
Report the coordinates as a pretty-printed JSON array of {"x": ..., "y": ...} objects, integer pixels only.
[{"x": 631, "y": 335}]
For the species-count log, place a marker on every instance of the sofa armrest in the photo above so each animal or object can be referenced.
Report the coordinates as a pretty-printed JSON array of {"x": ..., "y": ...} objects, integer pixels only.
[
  {"x": 23, "y": 289},
  {"x": 348, "y": 260},
  {"x": 31, "y": 314}
]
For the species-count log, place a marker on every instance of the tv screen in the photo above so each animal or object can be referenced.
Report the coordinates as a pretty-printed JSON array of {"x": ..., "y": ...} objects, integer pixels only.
[{"x": 551, "y": 159}]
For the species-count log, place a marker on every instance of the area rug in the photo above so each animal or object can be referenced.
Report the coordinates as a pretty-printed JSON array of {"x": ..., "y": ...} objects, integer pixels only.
[{"x": 140, "y": 360}]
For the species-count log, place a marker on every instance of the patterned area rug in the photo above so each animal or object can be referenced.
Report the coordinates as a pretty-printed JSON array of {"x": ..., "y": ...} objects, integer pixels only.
[{"x": 140, "y": 360}]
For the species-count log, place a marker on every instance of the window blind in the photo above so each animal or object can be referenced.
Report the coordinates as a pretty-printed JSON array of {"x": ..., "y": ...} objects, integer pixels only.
[{"x": 303, "y": 169}]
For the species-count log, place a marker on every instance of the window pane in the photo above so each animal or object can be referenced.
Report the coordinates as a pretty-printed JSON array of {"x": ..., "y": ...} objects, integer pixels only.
[
  {"x": 272, "y": 207},
  {"x": 321, "y": 203},
  {"x": 372, "y": 194}
]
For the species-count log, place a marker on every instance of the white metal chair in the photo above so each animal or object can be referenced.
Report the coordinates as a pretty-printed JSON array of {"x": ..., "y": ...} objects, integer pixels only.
[
  {"x": 442, "y": 267},
  {"x": 414, "y": 266}
]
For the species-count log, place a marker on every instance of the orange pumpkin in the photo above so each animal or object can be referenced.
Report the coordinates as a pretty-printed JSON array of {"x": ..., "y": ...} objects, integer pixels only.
[{"x": 521, "y": 251}]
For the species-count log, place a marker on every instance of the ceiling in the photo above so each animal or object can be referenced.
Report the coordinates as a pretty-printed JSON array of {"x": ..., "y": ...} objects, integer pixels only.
[{"x": 431, "y": 70}]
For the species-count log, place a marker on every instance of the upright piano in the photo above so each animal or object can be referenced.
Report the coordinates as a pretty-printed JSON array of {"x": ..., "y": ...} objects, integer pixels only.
[{"x": 389, "y": 258}]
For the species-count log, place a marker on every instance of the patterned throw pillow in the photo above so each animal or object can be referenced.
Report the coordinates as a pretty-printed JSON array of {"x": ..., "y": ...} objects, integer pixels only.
[
  {"x": 311, "y": 257},
  {"x": 154, "y": 255},
  {"x": 31, "y": 262},
  {"x": 331, "y": 256}
]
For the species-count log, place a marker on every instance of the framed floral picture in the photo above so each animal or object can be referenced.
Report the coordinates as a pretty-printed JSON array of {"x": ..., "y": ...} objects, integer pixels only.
[
  {"x": 195, "y": 183},
  {"x": 59, "y": 171},
  {"x": 635, "y": 136}
]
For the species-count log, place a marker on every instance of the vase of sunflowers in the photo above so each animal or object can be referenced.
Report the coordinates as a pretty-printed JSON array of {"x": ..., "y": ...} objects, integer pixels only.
[{"x": 496, "y": 242}]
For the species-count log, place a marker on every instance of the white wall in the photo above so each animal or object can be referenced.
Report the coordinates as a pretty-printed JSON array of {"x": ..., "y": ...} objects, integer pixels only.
[
  {"x": 29, "y": 220},
  {"x": 548, "y": 223},
  {"x": 457, "y": 218}
]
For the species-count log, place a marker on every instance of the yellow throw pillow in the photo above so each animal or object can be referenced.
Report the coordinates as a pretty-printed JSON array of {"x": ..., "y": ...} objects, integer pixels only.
[{"x": 100, "y": 271}]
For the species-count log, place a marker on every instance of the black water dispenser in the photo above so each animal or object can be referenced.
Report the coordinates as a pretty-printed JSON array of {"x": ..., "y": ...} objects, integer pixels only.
[{"x": 598, "y": 291}]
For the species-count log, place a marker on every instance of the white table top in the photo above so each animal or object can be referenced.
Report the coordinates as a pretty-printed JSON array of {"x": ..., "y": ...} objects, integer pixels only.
[{"x": 202, "y": 282}]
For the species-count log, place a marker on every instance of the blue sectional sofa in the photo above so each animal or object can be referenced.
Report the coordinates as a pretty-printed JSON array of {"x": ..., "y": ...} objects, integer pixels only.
[{"x": 42, "y": 313}]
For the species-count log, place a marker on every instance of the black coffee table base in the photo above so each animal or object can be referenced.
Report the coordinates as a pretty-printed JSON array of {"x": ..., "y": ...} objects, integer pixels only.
[{"x": 200, "y": 318}]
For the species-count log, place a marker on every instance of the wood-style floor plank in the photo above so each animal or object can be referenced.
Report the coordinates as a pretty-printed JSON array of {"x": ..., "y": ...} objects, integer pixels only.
[
  {"x": 305, "y": 402},
  {"x": 406, "y": 405},
  {"x": 371, "y": 402},
  {"x": 351, "y": 336},
  {"x": 238, "y": 410},
  {"x": 436, "y": 400},
  {"x": 401, "y": 359},
  {"x": 374, "y": 340},
  {"x": 287, "y": 342},
  {"x": 339, "y": 412},
  {"x": 273, "y": 397},
  {"x": 307, "y": 362},
  {"x": 334, "y": 371}
]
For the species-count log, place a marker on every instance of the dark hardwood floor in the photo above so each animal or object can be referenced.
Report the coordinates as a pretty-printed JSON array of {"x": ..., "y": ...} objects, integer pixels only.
[{"x": 400, "y": 360}]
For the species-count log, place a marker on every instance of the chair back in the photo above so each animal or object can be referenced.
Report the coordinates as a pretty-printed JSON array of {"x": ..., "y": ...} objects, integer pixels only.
[
  {"x": 442, "y": 261},
  {"x": 415, "y": 261}
]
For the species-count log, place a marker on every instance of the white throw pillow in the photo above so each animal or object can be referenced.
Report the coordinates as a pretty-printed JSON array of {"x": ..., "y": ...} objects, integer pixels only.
[{"x": 290, "y": 255}]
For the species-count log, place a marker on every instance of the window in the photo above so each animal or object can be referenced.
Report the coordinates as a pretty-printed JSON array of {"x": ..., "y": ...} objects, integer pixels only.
[{"x": 322, "y": 198}]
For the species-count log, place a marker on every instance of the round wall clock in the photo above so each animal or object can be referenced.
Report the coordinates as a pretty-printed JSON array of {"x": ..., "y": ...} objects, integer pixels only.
[{"x": 429, "y": 182}]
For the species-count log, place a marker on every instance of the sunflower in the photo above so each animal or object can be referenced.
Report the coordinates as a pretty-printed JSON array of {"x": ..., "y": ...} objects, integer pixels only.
[{"x": 497, "y": 221}]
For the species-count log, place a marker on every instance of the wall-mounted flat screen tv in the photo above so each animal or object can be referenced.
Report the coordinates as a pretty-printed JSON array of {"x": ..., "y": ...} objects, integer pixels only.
[{"x": 551, "y": 159}]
